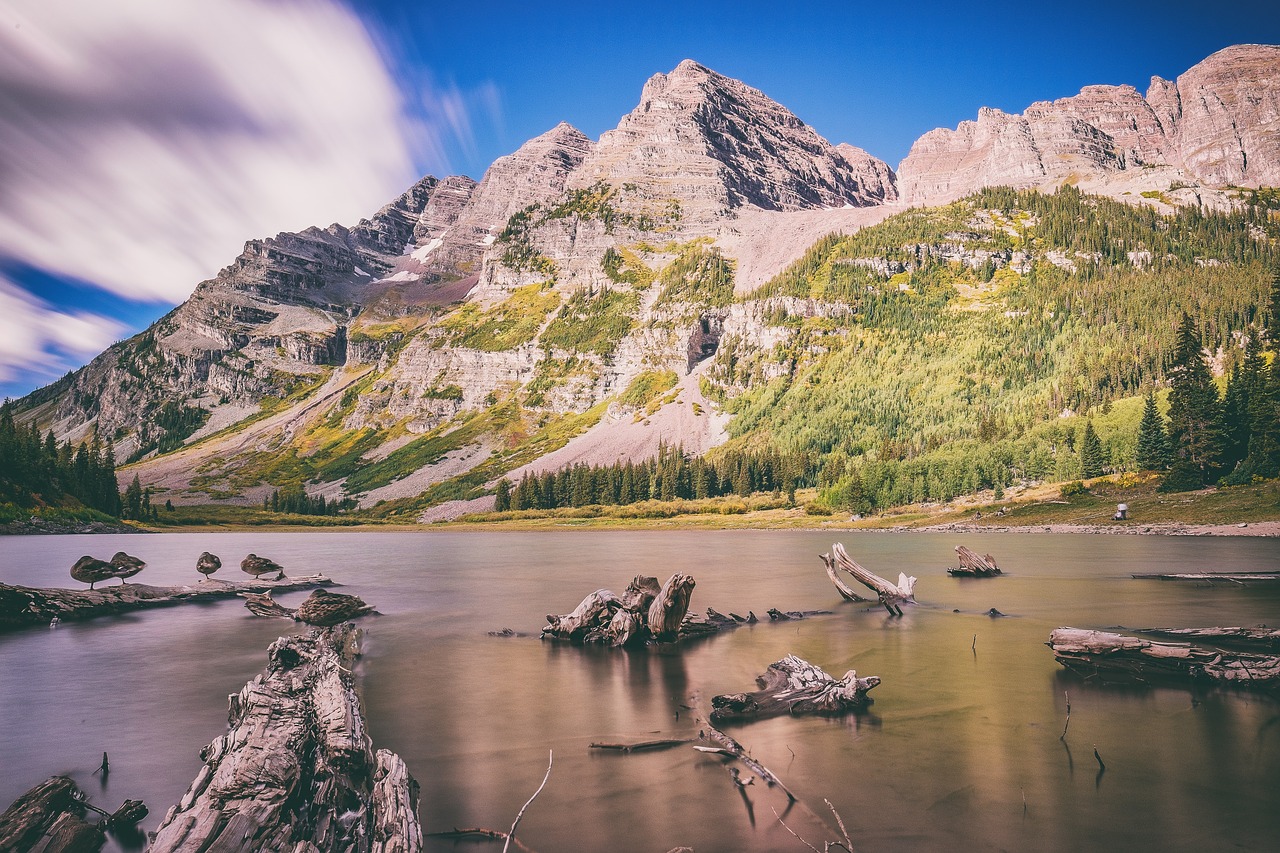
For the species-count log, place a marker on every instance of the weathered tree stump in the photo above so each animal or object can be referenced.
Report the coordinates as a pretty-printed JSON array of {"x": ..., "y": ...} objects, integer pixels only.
[
  {"x": 297, "y": 770},
  {"x": 1110, "y": 657},
  {"x": 21, "y": 606},
  {"x": 890, "y": 595},
  {"x": 795, "y": 686},
  {"x": 321, "y": 609},
  {"x": 645, "y": 613},
  {"x": 974, "y": 566},
  {"x": 49, "y": 817}
]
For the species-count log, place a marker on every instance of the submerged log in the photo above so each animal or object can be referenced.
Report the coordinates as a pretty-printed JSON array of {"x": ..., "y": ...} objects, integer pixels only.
[
  {"x": 297, "y": 770},
  {"x": 1110, "y": 657},
  {"x": 1240, "y": 578},
  {"x": 21, "y": 606},
  {"x": 974, "y": 566},
  {"x": 890, "y": 595},
  {"x": 1261, "y": 639},
  {"x": 795, "y": 686},
  {"x": 50, "y": 816}
]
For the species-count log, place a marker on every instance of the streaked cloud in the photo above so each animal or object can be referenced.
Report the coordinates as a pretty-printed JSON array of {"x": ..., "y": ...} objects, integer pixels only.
[
  {"x": 38, "y": 339},
  {"x": 143, "y": 141}
]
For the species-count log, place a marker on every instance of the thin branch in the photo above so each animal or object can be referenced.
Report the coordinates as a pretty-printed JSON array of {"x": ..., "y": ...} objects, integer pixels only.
[
  {"x": 520, "y": 814},
  {"x": 840, "y": 822},
  {"x": 792, "y": 831}
]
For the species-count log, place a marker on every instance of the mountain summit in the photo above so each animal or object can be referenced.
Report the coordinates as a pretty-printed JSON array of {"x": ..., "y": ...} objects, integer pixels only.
[{"x": 718, "y": 144}]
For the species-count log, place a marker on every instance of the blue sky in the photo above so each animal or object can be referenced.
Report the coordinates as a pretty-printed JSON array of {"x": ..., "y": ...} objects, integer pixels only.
[{"x": 143, "y": 141}]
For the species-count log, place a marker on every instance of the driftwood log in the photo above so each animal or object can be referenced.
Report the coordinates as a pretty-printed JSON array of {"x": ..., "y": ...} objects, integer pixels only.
[
  {"x": 49, "y": 817},
  {"x": 795, "y": 686},
  {"x": 892, "y": 596},
  {"x": 1115, "y": 658},
  {"x": 297, "y": 771},
  {"x": 1242, "y": 639},
  {"x": 974, "y": 566},
  {"x": 320, "y": 609},
  {"x": 1239, "y": 578},
  {"x": 21, "y": 606},
  {"x": 846, "y": 591},
  {"x": 645, "y": 613}
]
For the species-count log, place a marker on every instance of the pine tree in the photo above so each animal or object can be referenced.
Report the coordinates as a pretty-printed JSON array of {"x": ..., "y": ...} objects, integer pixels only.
[
  {"x": 502, "y": 497},
  {"x": 1153, "y": 444},
  {"x": 1092, "y": 459},
  {"x": 1195, "y": 415}
]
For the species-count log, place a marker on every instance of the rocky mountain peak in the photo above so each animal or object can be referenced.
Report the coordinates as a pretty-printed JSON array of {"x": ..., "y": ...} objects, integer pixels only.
[
  {"x": 717, "y": 144},
  {"x": 1218, "y": 125}
]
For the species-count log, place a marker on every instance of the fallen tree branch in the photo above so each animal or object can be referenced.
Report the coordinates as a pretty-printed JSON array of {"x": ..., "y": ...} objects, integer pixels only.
[
  {"x": 642, "y": 745},
  {"x": 846, "y": 591},
  {"x": 480, "y": 833},
  {"x": 732, "y": 747},
  {"x": 520, "y": 815},
  {"x": 890, "y": 595}
]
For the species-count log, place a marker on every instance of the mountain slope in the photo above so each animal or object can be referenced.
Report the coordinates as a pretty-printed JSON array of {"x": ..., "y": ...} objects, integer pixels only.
[{"x": 468, "y": 330}]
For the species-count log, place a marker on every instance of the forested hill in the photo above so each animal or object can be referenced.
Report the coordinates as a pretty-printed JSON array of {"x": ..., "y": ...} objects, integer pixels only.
[{"x": 965, "y": 347}]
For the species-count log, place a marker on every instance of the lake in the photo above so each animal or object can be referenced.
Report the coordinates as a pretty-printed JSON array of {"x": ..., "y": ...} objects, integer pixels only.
[{"x": 960, "y": 751}]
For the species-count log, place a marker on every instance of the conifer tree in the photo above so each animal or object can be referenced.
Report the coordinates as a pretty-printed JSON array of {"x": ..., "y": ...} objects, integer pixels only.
[
  {"x": 1153, "y": 444},
  {"x": 1092, "y": 459},
  {"x": 502, "y": 498},
  {"x": 1195, "y": 415}
]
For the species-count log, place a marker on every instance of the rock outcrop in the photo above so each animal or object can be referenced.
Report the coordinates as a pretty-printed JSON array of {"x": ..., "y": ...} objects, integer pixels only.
[
  {"x": 1217, "y": 125},
  {"x": 717, "y": 144}
]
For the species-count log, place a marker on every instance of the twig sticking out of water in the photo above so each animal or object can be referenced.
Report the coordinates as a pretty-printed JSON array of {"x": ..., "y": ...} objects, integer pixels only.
[
  {"x": 840, "y": 822},
  {"x": 974, "y": 647},
  {"x": 1063, "y": 736},
  {"x": 510, "y": 835},
  {"x": 1101, "y": 766}
]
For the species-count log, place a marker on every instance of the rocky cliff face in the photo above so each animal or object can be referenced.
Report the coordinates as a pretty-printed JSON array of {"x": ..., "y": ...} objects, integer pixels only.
[
  {"x": 1218, "y": 125},
  {"x": 717, "y": 144}
]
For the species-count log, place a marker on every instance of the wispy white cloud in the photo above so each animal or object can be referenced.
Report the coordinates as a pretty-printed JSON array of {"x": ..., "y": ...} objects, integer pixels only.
[
  {"x": 143, "y": 141},
  {"x": 35, "y": 337}
]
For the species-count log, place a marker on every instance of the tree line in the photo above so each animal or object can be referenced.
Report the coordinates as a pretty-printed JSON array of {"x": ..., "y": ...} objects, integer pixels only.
[
  {"x": 36, "y": 470},
  {"x": 670, "y": 475}
]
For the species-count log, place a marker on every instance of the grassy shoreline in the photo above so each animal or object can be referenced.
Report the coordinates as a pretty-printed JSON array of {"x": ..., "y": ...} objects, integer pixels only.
[{"x": 1244, "y": 510}]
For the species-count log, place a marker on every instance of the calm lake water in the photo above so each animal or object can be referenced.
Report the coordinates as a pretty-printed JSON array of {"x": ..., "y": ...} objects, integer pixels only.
[{"x": 959, "y": 752}]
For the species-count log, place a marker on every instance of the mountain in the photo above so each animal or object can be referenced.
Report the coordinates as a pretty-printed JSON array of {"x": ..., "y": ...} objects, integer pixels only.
[
  {"x": 1217, "y": 125},
  {"x": 591, "y": 301}
]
